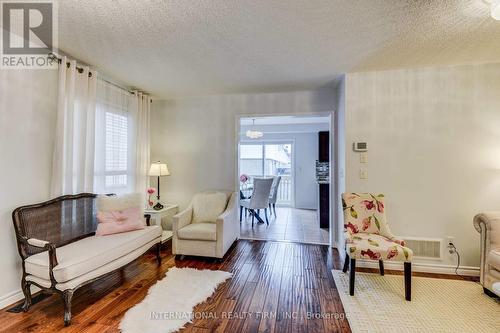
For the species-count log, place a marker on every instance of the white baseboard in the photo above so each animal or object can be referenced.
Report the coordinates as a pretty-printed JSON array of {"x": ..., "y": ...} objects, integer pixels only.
[
  {"x": 11, "y": 298},
  {"x": 15, "y": 296},
  {"x": 281, "y": 240},
  {"x": 421, "y": 267}
]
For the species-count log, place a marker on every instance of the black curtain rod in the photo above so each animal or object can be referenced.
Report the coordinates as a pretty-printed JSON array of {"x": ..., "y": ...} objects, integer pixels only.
[
  {"x": 80, "y": 70},
  {"x": 59, "y": 60}
]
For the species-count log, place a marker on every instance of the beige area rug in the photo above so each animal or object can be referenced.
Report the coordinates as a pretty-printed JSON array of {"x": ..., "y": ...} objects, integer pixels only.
[{"x": 438, "y": 305}]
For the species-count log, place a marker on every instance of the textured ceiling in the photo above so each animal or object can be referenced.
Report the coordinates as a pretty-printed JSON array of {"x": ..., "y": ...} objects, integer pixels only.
[{"x": 187, "y": 47}]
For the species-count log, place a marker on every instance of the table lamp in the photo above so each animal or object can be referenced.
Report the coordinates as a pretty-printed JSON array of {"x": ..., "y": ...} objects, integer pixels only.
[{"x": 159, "y": 170}]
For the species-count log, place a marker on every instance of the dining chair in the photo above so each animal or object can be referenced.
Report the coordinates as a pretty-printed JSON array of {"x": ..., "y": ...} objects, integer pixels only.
[
  {"x": 368, "y": 237},
  {"x": 259, "y": 199},
  {"x": 274, "y": 195}
]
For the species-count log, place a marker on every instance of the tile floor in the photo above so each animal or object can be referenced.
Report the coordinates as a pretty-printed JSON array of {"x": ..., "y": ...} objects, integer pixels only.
[{"x": 296, "y": 225}]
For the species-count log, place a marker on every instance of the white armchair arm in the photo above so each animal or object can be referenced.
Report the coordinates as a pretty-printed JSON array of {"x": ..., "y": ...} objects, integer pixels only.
[
  {"x": 179, "y": 221},
  {"x": 182, "y": 219},
  {"x": 227, "y": 226}
]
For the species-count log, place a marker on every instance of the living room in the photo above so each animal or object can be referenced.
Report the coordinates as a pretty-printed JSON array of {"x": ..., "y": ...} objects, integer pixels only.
[{"x": 121, "y": 147}]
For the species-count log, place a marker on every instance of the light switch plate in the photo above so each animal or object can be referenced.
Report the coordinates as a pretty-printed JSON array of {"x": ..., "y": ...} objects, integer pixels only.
[
  {"x": 363, "y": 174},
  {"x": 363, "y": 158}
]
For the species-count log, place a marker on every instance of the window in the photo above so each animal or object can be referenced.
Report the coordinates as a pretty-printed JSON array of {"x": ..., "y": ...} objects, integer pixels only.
[
  {"x": 251, "y": 160},
  {"x": 269, "y": 159},
  {"x": 116, "y": 157},
  {"x": 113, "y": 163}
]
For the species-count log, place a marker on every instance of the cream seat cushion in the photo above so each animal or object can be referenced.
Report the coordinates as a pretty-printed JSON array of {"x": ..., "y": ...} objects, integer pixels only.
[
  {"x": 199, "y": 231},
  {"x": 208, "y": 206},
  {"x": 494, "y": 259},
  {"x": 88, "y": 254}
]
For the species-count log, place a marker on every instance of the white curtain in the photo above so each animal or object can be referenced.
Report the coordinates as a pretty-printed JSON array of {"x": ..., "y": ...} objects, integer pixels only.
[
  {"x": 141, "y": 109},
  {"x": 74, "y": 147}
]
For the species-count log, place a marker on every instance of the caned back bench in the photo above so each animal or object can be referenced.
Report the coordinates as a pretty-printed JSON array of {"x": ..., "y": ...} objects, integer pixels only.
[{"x": 60, "y": 251}]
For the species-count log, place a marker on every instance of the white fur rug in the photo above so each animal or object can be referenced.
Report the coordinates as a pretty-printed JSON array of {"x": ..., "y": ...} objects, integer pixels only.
[
  {"x": 170, "y": 302},
  {"x": 437, "y": 305}
]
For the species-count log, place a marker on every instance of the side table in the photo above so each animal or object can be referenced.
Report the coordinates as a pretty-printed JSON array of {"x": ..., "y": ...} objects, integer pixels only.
[{"x": 163, "y": 218}]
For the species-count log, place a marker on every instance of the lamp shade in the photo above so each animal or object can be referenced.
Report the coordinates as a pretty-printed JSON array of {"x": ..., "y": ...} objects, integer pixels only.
[{"x": 159, "y": 169}]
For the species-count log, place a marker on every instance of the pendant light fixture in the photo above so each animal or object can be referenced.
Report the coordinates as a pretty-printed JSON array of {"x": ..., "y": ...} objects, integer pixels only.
[{"x": 252, "y": 133}]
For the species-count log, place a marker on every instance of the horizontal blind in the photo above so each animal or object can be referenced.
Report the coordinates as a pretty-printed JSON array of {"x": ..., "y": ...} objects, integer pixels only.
[{"x": 116, "y": 157}]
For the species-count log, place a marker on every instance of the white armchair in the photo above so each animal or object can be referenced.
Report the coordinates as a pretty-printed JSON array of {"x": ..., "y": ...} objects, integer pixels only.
[
  {"x": 488, "y": 225},
  {"x": 208, "y": 227}
]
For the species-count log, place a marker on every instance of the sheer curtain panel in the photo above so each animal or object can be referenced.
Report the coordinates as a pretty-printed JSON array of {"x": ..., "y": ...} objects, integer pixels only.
[
  {"x": 141, "y": 109},
  {"x": 74, "y": 146}
]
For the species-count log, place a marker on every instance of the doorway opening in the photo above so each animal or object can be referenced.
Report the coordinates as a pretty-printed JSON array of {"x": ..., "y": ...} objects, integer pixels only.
[{"x": 286, "y": 149}]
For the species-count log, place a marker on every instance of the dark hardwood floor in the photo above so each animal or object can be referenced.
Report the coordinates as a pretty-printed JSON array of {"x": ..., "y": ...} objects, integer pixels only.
[{"x": 276, "y": 287}]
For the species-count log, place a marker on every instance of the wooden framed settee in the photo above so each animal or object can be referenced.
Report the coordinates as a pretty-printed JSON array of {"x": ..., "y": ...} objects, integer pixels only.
[{"x": 60, "y": 251}]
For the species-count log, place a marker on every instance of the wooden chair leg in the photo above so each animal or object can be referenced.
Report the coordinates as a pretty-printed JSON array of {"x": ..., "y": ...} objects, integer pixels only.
[
  {"x": 158, "y": 253},
  {"x": 381, "y": 266},
  {"x": 67, "y": 296},
  {"x": 26, "y": 287},
  {"x": 265, "y": 213},
  {"x": 346, "y": 263},
  {"x": 241, "y": 213},
  {"x": 253, "y": 216},
  {"x": 274, "y": 208},
  {"x": 270, "y": 209},
  {"x": 352, "y": 276},
  {"x": 408, "y": 281}
]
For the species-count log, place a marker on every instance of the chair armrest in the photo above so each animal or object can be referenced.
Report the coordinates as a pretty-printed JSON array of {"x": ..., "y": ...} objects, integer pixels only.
[
  {"x": 225, "y": 216},
  {"x": 227, "y": 227},
  {"x": 488, "y": 225},
  {"x": 182, "y": 219},
  {"x": 483, "y": 221},
  {"x": 51, "y": 248},
  {"x": 230, "y": 209},
  {"x": 37, "y": 242}
]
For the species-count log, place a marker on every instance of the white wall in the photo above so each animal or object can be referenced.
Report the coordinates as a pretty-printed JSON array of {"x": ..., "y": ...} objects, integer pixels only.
[
  {"x": 305, "y": 154},
  {"x": 197, "y": 137},
  {"x": 28, "y": 100},
  {"x": 434, "y": 148},
  {"x": 338, "y": 153}
]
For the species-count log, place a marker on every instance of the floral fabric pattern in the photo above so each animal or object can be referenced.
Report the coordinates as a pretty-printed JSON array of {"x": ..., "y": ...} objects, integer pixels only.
[
  {"x": 376, "y": 247},
  {"x": 364, "y": 212},
  {"x": 367, "y": 233}
]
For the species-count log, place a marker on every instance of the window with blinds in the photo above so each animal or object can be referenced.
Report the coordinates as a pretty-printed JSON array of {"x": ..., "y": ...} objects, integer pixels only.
[
  {"x": 116, "y": 154},
  {"x": 114, "y": 147}
]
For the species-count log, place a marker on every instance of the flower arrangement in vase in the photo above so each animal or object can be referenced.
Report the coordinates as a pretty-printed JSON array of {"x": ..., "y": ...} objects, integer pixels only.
[
  {"x": 150, "y": 191},
  {"x": 244, "y": 179}
]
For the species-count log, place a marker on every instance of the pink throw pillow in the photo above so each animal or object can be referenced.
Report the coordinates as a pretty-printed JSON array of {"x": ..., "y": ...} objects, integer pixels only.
[{"x": 117, "y": 221}]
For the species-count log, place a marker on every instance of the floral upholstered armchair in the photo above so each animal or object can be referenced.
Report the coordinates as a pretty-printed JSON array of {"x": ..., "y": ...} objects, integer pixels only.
[{"x": 368, "y": 236}]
